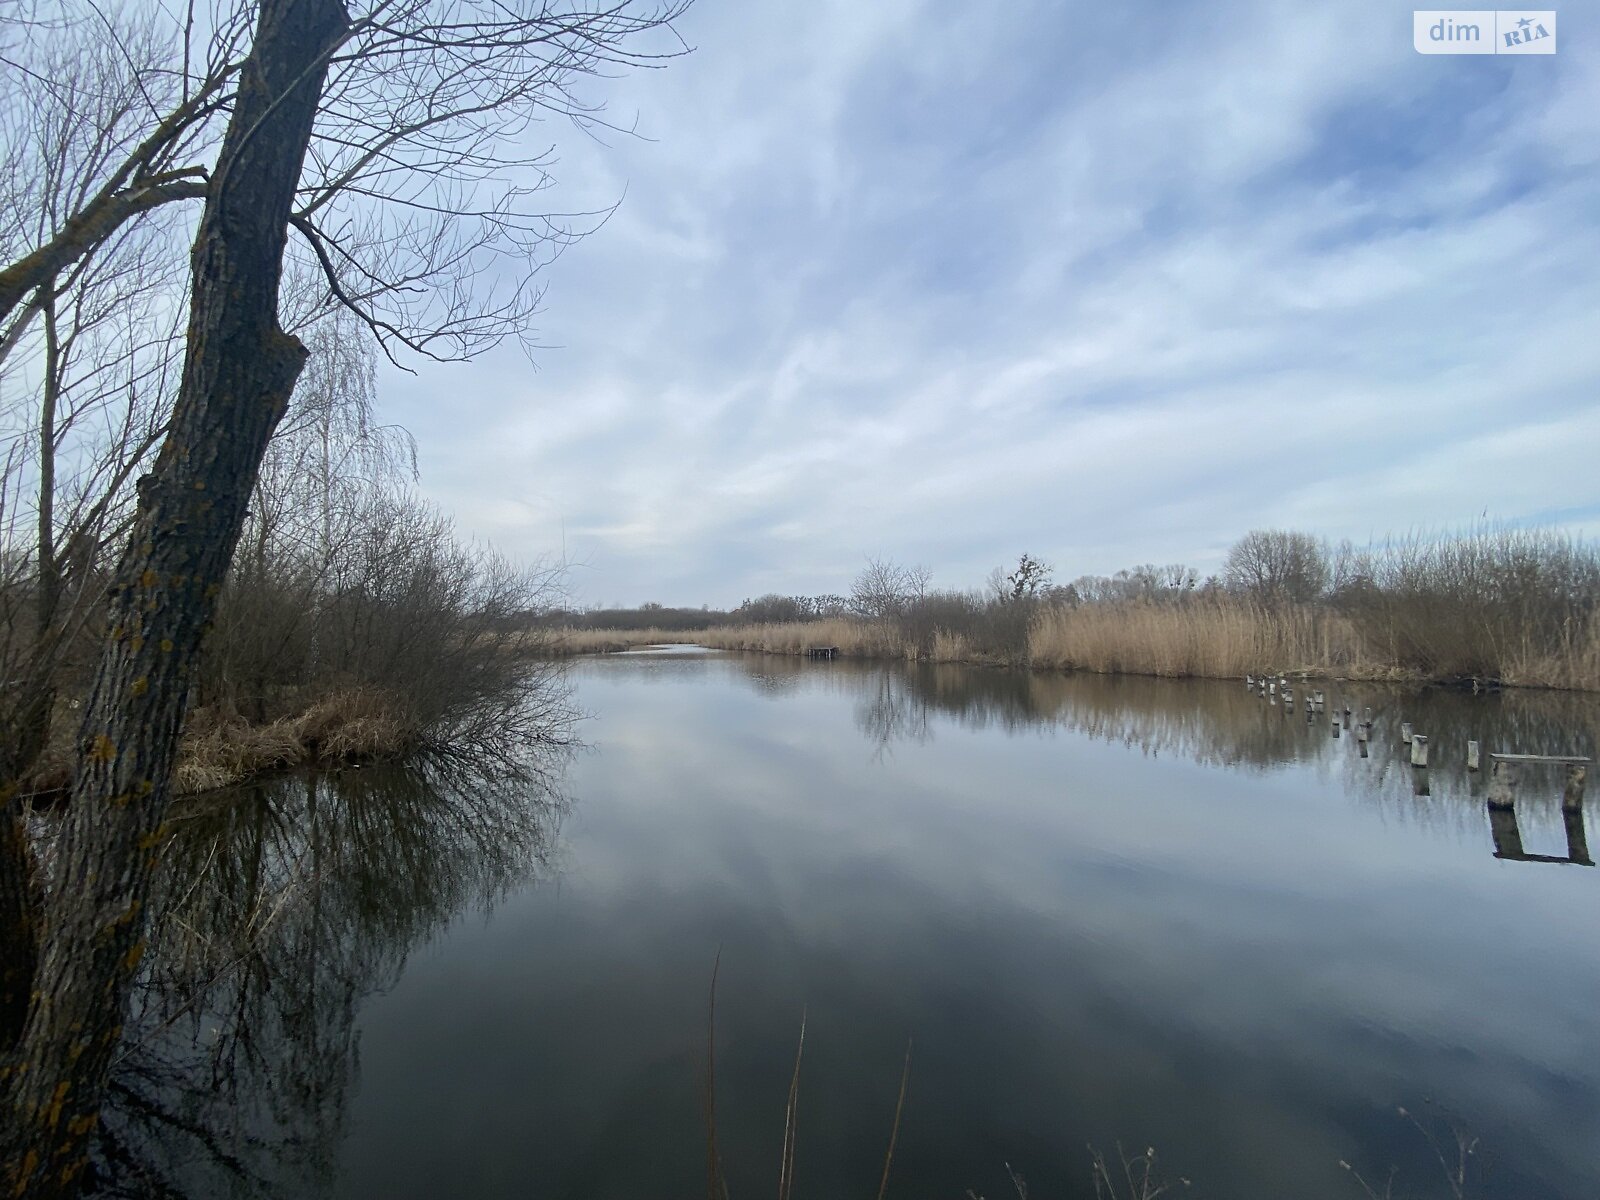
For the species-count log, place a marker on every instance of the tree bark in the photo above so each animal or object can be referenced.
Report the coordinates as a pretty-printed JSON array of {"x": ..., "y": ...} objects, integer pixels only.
[{"x": 239, "y": 371}]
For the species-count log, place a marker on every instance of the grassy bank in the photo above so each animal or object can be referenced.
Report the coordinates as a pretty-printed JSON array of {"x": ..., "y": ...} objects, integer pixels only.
[
  {"x": 354, "y": 725},
  {"x": 1218, "y": 640},
  {"x": 562, "y": 643},
  {"x": 220, "y": 747},
  {"x": 1213, "y": 638},
  {"x": 854, "y": 638},
  {"x": 1208, "y": 637}
]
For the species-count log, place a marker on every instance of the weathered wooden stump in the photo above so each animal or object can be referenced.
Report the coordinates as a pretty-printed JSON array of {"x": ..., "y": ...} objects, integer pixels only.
[
  {"x": 1419, "y": 750},
  {"x": 1502, "y": 784},
  {"x": 1405, "y": 732},
  {"x": 1472, "y": 756},
  {"x": 1572, "y": 794}
]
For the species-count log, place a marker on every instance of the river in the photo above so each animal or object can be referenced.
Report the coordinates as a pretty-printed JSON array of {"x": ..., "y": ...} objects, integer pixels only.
[{"x": 1100, "y": 911}]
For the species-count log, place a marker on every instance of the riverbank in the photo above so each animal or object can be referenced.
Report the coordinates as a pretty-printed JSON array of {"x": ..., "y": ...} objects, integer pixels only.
[
  {"x": 1220, "y": 639},
  {"x": 566, "y": 643},
  {"x": 220, "y": 747}
]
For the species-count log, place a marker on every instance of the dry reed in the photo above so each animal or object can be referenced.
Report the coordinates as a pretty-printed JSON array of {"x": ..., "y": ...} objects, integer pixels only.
[
  {"x": 853, "y": 638},
  {"x": 1220, "y": 638},
  {"x": 564, "y": 642},
  {"x": 354, "y": 724}
]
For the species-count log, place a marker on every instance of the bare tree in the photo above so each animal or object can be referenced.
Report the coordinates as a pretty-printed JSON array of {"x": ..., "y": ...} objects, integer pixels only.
[
  {"x": 1277, "y": 564},
  {"x": 380, "y": 138},
  {"x": 1030, "y": 576},
  {"x": 884, "y": 589}
]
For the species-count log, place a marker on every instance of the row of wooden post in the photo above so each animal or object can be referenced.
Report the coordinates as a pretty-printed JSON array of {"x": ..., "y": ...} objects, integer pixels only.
[{"x": 1503, "y": 773}]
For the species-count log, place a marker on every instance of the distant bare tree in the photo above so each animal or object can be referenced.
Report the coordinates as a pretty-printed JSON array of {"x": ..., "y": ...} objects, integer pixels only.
[
  {"x": 1277, "y": 564},
  {"x": 1029, "y": 577},
  {"x": 884, "y": 589}
]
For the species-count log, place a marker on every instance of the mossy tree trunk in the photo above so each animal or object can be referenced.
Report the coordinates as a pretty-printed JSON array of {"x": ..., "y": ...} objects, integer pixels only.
[{"x": 239, "y": 371}]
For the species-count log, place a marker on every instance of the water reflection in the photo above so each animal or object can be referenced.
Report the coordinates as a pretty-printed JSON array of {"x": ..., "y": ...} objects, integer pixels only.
[
  {"x": 1106, "y": 908},
  {"x": 1221, "y": 724},
  {"x": 1507, "y": 833},
  {"x": 280, "y": 909}
]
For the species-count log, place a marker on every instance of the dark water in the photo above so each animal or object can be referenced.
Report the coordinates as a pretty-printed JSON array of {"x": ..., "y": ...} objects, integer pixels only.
[{"x": 1103, "y": 910}]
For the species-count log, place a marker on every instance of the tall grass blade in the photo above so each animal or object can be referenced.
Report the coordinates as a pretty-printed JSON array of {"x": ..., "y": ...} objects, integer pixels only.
[
  {"x": 894, "y": 1131},
  {"x": 786, "y": 1173}
]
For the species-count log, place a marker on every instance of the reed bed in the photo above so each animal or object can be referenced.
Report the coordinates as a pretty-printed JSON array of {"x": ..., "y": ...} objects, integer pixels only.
[
  {"x": 356, "y": 724},
  {"x": 561, "y": 643},
  {"x": 854, "y": 638},
  {"x": 1220, "y": 638}
]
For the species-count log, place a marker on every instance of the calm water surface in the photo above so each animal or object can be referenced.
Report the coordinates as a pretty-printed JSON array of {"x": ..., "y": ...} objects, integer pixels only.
[{"x": 1156, "y": 913}]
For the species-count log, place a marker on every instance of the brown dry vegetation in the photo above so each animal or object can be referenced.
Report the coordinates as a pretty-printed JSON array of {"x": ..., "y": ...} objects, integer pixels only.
[
  {"x": 356, "y": 724},
  {"x": 1521, "y": 607},
  {"x": 1217, "y": 637},
  {"x": 560, "y": 643},
  {"x": 854, "y": 638}
]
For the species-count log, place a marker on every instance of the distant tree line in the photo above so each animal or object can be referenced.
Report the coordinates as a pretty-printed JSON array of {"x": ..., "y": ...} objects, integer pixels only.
[{"x": 1510, "y": 604}]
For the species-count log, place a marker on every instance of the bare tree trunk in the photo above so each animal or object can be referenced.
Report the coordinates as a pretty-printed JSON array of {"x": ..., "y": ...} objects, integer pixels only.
[
  {"x": 239, "y": 371},
  {"x": 22, "y": 743}
]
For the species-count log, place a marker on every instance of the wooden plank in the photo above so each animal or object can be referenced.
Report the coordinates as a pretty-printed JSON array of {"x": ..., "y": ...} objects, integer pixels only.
[{"x": 1541, "y": 758}]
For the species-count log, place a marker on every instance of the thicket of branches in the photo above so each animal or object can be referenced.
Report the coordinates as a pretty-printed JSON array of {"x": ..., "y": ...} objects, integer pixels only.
[{"x": 348, "y": 595}]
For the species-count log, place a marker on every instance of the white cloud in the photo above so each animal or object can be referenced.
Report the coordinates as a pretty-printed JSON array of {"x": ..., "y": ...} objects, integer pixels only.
[{"x": 905, "y": 279}]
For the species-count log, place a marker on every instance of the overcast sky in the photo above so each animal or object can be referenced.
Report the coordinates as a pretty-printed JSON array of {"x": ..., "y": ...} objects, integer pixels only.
[{"x": 1108, "y": 284}]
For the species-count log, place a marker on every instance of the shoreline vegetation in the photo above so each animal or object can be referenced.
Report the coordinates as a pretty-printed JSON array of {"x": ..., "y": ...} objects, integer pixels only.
[
  {"x": 1489, "y": 608},
  {"x": 357, "y": 627},
  {"x": 356, "y": 624}
]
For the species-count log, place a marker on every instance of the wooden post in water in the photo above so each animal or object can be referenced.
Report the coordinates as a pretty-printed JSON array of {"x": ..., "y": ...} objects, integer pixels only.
[
  {"x": 1335, "y": 724},
  {"x": 1577, "y": 836},
  {"x": 1272, "y": 688},
  {"x": 1572, "y": 795},
  {"x": 1472, "y": 756},
  {"x": 1320, "y": 701},
  {"x": 1503, "y": 828},
  {"x": 1419, "y": 751},
  {"x": 1405, "y": 732},
  {"x": 1502, "y": 784}
]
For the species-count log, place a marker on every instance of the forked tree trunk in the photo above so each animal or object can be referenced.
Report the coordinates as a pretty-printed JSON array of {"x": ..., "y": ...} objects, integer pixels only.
[{"x": 239, "y": 371}]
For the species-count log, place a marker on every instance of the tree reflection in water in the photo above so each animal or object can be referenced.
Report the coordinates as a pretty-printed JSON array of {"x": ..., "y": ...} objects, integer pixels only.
[
  {"x": 1220, "y": 723},
  {"x": 280, "y": 908}
]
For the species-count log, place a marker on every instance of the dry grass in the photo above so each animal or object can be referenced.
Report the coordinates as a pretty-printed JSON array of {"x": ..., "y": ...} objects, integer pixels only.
[
  {"x": 1574, "y": 663},
  {"x": 855, "y": 639},
  {"x": 1218, "y": 639},
  {"x": 563, "y": 642},
  {"x": 354, "y": 724},
  {"x": 1223, "y": 636}
]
